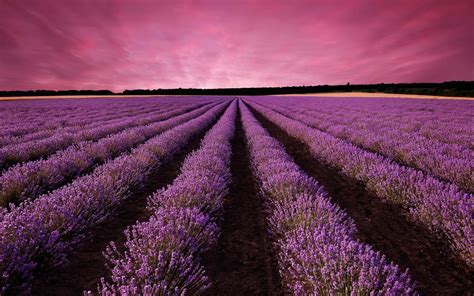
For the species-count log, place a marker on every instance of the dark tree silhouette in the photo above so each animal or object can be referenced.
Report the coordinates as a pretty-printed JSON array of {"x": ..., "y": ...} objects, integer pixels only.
[{"x": 450, "y": 88}]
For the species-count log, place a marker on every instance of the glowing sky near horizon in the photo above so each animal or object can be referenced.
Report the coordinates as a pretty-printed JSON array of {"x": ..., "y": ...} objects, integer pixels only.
[{"x": 119, "y": 44}]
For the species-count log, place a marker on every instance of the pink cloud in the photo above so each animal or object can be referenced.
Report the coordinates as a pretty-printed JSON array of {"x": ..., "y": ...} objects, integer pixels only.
[{"x": 54, "y": 44}]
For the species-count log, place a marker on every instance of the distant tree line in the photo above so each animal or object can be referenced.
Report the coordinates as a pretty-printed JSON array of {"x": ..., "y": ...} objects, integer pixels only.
[{"x": 451, "y": 88}]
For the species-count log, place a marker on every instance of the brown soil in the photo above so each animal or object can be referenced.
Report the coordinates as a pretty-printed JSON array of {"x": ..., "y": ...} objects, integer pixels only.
[
  {"x": 398, "y": 161},
  {"x": 383, "y": 226},
  {"x": 243, "y": 263},
  {"x": 87, "y": 264}
]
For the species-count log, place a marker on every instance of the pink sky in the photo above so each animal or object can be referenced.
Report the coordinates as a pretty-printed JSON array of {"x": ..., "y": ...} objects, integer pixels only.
[{"x": 72, "y": 44}]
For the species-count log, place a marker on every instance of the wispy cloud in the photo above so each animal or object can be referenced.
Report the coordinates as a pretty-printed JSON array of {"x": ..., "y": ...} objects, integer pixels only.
[{"x": 151, "y": 44}]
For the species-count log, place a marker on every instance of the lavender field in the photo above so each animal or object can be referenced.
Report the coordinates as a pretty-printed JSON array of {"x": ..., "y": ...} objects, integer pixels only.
[{"x": 270, "y": 195}]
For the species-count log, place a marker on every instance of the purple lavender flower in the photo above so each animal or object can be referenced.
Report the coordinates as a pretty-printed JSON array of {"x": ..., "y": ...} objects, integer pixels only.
[
  {"x": 445, "y": 209},
  {"x": 161, "y": 256},
  {"x": 41, "y": 233},
  {"x": 34, "y": 178},
  {"x": 317, "y": 250}
]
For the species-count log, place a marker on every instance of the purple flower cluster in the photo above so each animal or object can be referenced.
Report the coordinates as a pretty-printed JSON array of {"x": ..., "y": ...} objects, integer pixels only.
[
  {"x": 25, "y": 151},
  {"x": 161, "y": 256},
  {"x": 22, "y": 119},
  {"x": 405, "y": 141},
  {"x": 85, "y": 122},
  {"x": 317, "y": 250},
  {"x": 34, "y": 178},
  {"x": 444, "y": 121},
  {"x": 39, "y": 234},
  {"x": 442, "y": 207}
]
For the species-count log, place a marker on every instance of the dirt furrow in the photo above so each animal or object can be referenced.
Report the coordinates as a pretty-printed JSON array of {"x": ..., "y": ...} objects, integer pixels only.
[
  {"x": 243, "y": 263},
  {"x": 87, "y": 264},
  {"x": 383, "y": 226}
]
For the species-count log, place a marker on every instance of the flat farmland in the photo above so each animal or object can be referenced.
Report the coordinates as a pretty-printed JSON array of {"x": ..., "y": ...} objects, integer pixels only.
[{"x": 269, "y": 195}]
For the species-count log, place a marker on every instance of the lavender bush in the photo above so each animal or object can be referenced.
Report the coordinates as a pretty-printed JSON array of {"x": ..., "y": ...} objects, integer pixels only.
[
  {"x": 443, "y": 208},
  {"x": 85, "y": 122},
  {"x": 317, "y": 250},
  {"x": 31, "y": 150},
  {"x": 161, "y": 256},
  {"x": 21, "y": 119},
  {"x": 40, "y": 233},
  {"x": 405, "y": 140},
  {"x": 34, "y": 178}
]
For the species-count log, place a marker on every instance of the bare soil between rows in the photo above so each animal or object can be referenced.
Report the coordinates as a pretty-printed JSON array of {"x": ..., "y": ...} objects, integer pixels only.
[
  {"x": 430, "y": 260},
  {"x": 87, "y": 263},
  {"x": 244, "y": 262},
  {"x": 396, "y": 160}
]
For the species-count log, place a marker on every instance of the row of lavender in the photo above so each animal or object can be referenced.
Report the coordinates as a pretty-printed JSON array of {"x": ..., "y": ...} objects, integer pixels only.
[
  {"x": 63, "y": 138},
  {"x": 441, "y": 207},
  {"x": 87, "y": 120},
  {"x": 431, "y": 119},
  {"x": 310, "y": 232},
  {"x": 34, "y": 178},
  {"x": 20, "y": 118},
  {"x": 402, "y": 137},
  {"x": 34, "y": 115},
  {"x": 32, "y": 109},
  {"x": 161, "y": 256},
  {"x": 39, "y": 234},
  {"x": 317, "y": 250},
  {"x": 16, "y": 111}
]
